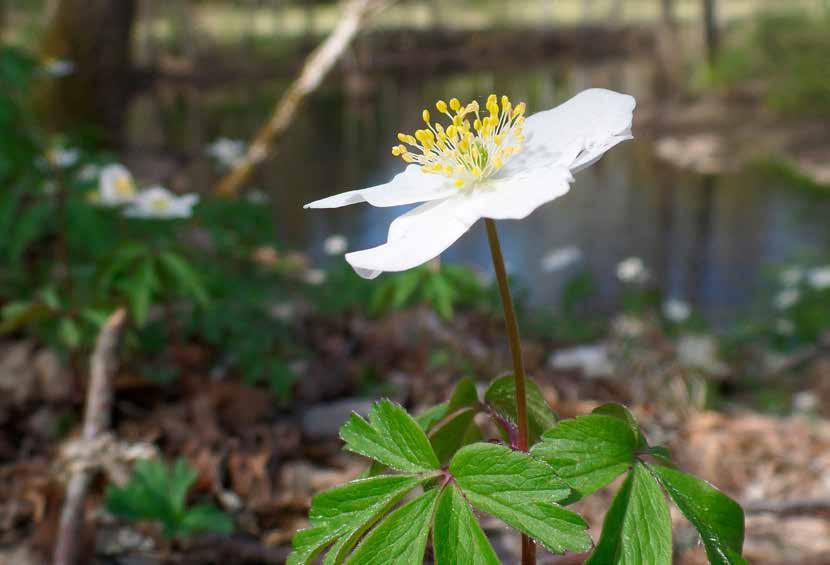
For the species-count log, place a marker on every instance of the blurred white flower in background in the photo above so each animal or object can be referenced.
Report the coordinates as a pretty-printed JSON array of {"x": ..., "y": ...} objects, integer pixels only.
[
  {"x": 59, "y": 67},
  {"x": 819, "y": 278},
  {"x": 158, "y": 202},
  {"x": 592, "y": 360},
  {"x": 227, "y": 152},
  {"x": 315, "y": 277},
  {"x": 256, "y": 197},
  {"x": 632, "y": 270},
  {"x": 701, "y": 352},
  {"x": 792, "y": 276},
  {"x": 786, "y": 298},
  {"x": 561, "y": 258},
  {"x": 335, "y": 244},
  {"x": 63, "y": 157},
  {"x": 676, "y": 310},
  {"x": 116, "y": 186}
]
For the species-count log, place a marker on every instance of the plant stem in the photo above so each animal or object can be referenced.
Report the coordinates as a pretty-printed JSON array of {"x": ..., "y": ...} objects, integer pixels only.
[{"x": 528, "y": 547}]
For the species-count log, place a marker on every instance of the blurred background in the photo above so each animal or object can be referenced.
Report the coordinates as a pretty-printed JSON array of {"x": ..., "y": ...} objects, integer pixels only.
[{"x": 687, "y": 273}]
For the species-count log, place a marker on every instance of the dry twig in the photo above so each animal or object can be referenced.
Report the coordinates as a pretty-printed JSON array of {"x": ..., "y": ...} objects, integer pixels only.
[
  {"x": 317, "y": 66},
  {"x": 96, "y": 422}
]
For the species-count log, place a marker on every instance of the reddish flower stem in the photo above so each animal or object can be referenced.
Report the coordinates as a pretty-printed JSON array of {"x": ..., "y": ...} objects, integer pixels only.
[{"x": 528, "y": 546}]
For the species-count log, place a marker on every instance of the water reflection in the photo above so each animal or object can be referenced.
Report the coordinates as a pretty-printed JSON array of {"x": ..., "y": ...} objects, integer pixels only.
[{"x": 707, "y": 239}]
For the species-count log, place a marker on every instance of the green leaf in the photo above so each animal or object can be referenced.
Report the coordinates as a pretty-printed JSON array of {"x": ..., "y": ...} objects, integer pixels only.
[
  {"x": 346, "y": 512},
  {"x": 187, "y": 278},
  {"x": 432, "y": 415},
  {"x": 452, "y": 430},
  {"x": 457, "y": 536},
  {"x": 637, "y": 527},
  {"x": 621, "y": 412},
  {"x": 520, "y": 491},
  {"x": 390, "y": 437},
  {"x": 588, "y": 452},
  {"x": 501, "y": 396},
  {"x": 205, "y": 518},
  {"x": 402, "y": 537},
  {"x": 718, "y": 518}
]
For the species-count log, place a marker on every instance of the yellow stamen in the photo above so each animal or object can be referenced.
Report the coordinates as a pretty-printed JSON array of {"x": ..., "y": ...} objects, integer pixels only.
[{"x": 466, "y": 150}]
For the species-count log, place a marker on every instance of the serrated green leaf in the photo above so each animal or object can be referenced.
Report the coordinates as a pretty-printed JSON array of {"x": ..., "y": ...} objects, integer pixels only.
[
  {"x": 588, "y": 452},
  {"x": 637, "y": 527},
  {"x": 501, "y": 396},
  {"x": 457, "y": 536},
  {"x": 432, "y": 415},
  {"x": 402, "y": 537},
  {"x": 619, "y": 411},
  {"x": 390, "y": 437},
  {"x": 520, "y": 491},
  {"x": 346, "y": 512},
  {"x": 718, "y": 519}
]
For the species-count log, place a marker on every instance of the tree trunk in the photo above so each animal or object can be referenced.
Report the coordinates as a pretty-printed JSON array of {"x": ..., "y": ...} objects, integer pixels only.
[
  {"x": 710, "y": 26},
  {"x": 669, "y": 78},
  {"x": 95, "y": 35}
]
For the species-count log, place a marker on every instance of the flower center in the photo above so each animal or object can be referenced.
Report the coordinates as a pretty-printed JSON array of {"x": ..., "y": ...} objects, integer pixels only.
[
  {"x": 124, "y": 186},
  {"x": 159, "y": 204},
  {"x": 466, "y": 151}
]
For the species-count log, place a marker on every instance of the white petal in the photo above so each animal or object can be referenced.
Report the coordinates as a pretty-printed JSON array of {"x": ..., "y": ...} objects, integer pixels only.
[
  {"x": 416, "y": 237},
  {"x": 408, "y": 187},
  {"x": 577, "y": 133},
  {"x": 515, "y": 197}
]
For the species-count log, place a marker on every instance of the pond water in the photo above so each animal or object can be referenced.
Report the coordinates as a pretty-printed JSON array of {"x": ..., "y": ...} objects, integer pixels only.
[{"x": 705, "y": 239}]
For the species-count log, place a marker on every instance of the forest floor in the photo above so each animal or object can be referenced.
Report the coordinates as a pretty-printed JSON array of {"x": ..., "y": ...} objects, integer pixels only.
[{"x": 261, "y": 461}]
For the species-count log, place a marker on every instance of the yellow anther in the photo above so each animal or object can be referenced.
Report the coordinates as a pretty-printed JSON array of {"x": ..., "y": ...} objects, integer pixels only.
[
  {"x": 459, "y": 183},
  {"x": 519, "y": 109},
  {"x": 441, "y": 106},
  {"x": 505, "y": 101},
  {"x": 402, "y": 137},
  {"x": 425, "y": 115},
  {"x": 455, "y": 104}
]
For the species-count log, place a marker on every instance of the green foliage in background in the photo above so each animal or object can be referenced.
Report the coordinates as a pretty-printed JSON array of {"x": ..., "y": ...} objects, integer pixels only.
[
  {"x": 157, "y": 492},
  {"x": 786, "y": 53}
]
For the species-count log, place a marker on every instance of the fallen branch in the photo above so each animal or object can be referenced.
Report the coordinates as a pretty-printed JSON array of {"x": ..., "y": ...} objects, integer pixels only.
[
  {"x": 799, "y": 507},
  {"x": 96, "y": 422},
  {"x": 317, "y": 66}
]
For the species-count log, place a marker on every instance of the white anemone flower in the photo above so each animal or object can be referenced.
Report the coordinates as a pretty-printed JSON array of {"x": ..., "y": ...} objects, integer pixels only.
[
  {"x": 819, "y": 278},
  {"x": 63, "y": 157},
  {"x": 59, "y": 68},
  {"x": 562, "y": 258},
  {"x": 676, "y": 310},
  {"x": 632, "y": 270},
  {"x": 486, "y": 163},
  {"x": 787, "y": 298},
  {"x": 335, "y": 244},
  {"x": 116, "y": 186},
  {"x": 227, "y": 152},
  {"x": 159, "y": 203}
]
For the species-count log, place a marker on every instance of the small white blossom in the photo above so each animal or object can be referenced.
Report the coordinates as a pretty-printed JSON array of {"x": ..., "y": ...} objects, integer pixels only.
[
  {"x": 59, "y": 67},
  {"x": 701, "y": 352},
  {"x": 256, "y": 197},
  {"x": 628, "y": 326},
  {"x": 805, "y": 401},
  {"x": 63, "y": 157},
  {"x": 158, "y": 202},
  {"x": 484, "y": 161},
  {"x": 632, "y": 270},
  {"x": 676, "y": 311},
  {"x": 116, "y": 186},
  {"x": 561, "y": 258},
  {"x": 335, "y": 245},
  {"x": 315, "y": 277},
  {"x": 787, "y": 298},
  {"x": 819, "y": 278},
  {"x": 227, "y": 152},
  {"x": 792, "y": 276}
]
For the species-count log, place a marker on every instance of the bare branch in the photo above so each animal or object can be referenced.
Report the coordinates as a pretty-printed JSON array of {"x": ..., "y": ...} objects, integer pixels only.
[
  {"x": 96, "y": 422},
  {"x": 317, "y": 66}
]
